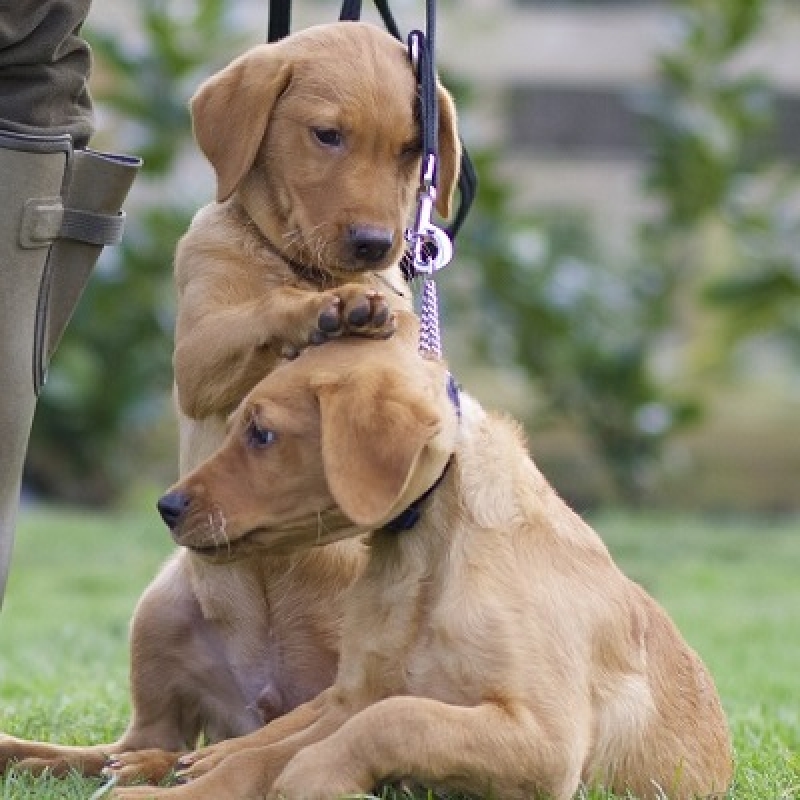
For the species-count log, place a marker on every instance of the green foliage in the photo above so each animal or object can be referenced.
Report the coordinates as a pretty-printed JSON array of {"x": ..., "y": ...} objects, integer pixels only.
[
  {"x": 761, "y": 295},
  {"x": 704, "y": 116},
  {"x": 150, "y": 86},
  {"x": 713, "y": 167},
  {"x": 110, "y": 378},
  {"x": 590, "y": 334},
  {"x": 581, "y": 330}
]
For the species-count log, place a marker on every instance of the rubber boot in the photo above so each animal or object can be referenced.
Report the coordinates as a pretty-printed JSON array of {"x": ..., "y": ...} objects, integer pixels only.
[{"x": 59, "y": 208}]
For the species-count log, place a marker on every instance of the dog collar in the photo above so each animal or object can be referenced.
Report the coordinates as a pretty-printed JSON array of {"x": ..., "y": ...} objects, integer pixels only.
[
  {"x": 407, "y": 519},
  {"x": 313, "y": 275}
]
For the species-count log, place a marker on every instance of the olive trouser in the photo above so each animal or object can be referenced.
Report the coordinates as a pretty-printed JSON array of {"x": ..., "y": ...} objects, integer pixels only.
[{"x": 59, "y": 205}]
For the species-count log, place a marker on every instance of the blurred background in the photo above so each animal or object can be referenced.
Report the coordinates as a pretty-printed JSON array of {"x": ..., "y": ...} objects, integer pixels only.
[{"x": 627, "y": 284}]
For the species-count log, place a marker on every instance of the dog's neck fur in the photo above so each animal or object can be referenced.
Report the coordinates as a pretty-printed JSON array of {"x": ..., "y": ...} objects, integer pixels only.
[
  {"x": 250, "y": 220},
  {"x": 388, "y": 279},
  {"x": 305, "y": 272},
  {"x": 479, "y": 488}
]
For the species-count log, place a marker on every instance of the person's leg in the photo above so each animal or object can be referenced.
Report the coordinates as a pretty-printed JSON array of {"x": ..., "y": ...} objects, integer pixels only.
[
  {"x": 44, "y": 69},
  {"x": 60, "y": 204}
]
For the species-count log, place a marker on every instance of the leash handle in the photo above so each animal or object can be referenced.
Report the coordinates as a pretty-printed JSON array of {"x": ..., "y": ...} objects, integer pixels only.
[
  {"x": 279, "y": 24},
  {"x": 280, "y": 20},
  {"x": 421, "y": 53},
  {"x": 351, "y": 11}
]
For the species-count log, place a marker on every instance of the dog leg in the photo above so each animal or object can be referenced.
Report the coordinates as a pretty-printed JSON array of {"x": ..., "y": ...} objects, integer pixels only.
[
  {"x": 38, "y": 757},
  {"x": 255, "y": 334},
  {"x": 306, "y": 717},
  {"x": 245, "y": 767},
  {"x": 134, "y": 766},
  {"x": 177, "y": 692},
  {"x": 488, "y": 749}
]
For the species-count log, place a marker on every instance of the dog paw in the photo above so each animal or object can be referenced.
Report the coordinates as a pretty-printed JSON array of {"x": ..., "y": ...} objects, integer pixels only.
[
  {"x": 191, "y": 766},
  {"x": 323, "y": 787},
  {"x": 308, "y": 777},
  {"x": 355, "y": 311},
  {"x": 152, "y": 766}
]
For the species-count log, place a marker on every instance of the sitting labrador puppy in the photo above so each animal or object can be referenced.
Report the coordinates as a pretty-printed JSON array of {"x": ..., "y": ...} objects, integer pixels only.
[
  {"x": 316, "y": 147},
  {"x": 491, "y": 646}
]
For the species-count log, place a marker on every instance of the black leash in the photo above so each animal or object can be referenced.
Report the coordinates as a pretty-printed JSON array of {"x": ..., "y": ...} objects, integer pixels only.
[
  {"x": 279, "y": 27},
  {"x": 351, "y": 12},
  {"x": 280, "y": 23}
]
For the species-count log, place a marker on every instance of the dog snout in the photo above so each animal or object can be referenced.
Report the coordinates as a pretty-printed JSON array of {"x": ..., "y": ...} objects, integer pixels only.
[
  {"x": 370, "y": 243},
  {"x": 172, "y": 506}
]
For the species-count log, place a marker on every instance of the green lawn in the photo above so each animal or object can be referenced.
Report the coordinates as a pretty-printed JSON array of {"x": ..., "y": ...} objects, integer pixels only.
[{"x": 732, "y": 585}]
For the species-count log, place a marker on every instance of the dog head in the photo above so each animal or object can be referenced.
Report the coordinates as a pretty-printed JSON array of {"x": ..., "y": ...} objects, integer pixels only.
[
  {"x": 332, "y": 444},
  {"x": 318, "y": 138}
]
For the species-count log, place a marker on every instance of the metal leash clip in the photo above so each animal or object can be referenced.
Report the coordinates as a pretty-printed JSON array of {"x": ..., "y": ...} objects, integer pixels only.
[{"x": 430, "y": 245}]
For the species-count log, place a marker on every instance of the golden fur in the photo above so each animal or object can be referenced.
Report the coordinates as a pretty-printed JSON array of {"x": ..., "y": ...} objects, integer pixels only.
[
  {"x": 220, "y": 646},
  {"x": 495, "y": 648}
]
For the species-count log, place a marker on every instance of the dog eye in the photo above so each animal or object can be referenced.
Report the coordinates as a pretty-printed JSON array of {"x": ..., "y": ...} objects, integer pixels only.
[
  {"x": 411, "y": 148},
  {"x": 259, "y": 437},
  {"x": 330, "y": 137}
]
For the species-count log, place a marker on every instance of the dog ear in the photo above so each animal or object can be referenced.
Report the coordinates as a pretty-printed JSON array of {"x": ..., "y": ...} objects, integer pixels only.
[
  {"x": 449, "y": 152},
  {"x": 373, "y": 433},
  {"x": 230, "y": 112}
]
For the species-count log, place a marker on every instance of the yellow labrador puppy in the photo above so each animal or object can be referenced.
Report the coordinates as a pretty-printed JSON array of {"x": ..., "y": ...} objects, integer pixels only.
[
  {"x": 316, "y": 147},
  {"x": 491, "y": 646}
]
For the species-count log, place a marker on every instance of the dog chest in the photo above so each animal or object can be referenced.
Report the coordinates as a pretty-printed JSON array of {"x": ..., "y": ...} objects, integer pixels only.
[{"x": 428, "y": 639}]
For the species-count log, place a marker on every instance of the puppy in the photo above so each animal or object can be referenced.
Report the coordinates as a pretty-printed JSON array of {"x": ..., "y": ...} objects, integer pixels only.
[
  {"x": 491, "y": 646},
  {"x": 315, "y": 143},
  {"x": 316, "y": 147}
]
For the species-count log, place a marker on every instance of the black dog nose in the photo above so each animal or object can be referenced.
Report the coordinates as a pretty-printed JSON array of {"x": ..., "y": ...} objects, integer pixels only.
[
  {"x": 172, "y": 506},
  {"x": 370, "y": 243}
]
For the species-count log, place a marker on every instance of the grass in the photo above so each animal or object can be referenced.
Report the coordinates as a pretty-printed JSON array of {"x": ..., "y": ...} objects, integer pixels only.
[{"x": 731, "y": 585}]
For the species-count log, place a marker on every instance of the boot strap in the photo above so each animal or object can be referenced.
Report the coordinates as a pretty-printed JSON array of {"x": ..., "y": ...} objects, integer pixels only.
[{"x": 45, "y": 219}]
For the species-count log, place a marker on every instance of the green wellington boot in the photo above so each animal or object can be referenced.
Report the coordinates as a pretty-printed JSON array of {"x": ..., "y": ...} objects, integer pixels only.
[{"x": 59, "y": 208}]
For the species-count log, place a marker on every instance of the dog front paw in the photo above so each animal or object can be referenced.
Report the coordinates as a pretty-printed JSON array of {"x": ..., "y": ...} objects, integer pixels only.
[
  {"x": 324, "y": 787},
  {"x": 196, "y": 764},
  {"x": 309, "y": 776},
  {"x": 355, "y": 311},
  {"x": 152, "y": 766}
]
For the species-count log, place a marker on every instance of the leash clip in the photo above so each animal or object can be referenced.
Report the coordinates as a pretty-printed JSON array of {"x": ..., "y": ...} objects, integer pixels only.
[{"x": 430, "y": 245}]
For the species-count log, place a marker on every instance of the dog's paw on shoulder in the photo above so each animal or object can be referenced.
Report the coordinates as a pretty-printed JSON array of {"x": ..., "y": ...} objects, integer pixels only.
[{"x": 354, "y": 311}]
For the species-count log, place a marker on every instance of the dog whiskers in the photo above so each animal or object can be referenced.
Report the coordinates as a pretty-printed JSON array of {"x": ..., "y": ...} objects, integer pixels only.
[
  {"x": 311, "y": 244},
  {"x": 217, "y": 528}
]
